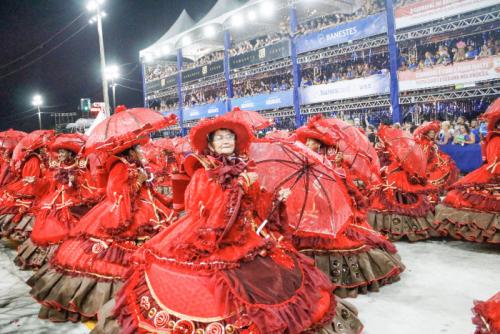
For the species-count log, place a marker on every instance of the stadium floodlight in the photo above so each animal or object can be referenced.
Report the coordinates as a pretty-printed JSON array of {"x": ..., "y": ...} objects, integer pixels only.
[
  {"x": 267, "y": 9},
  {"x": 251, "y": 15},
  {"x": 112, "y": 72},
  {"x": 157, "y": 53},
  {"x": 210, "y": 31},
  {"x": 37, "y": 102},
  {"x": 186, "y": 40},
  {"x": 237, "y": 21},
  {"x": 148, "y": 58}
]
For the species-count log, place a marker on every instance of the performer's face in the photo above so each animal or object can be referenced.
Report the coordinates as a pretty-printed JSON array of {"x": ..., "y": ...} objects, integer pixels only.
[
  {"x": 313, "y": 144},
  {"x": 431, "y": 134},
  {"x": 63, "y": 154},
  {"x": 223, "y": 142}
]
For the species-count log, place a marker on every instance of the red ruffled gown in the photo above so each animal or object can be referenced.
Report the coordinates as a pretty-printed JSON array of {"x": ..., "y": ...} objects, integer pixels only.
[
  {"x": 441, "y": 169},
  {"x": 6, "y": 175},
  {"x": 487, "y": 316},
  {"x": 19, "y": 197},
  {"x": 402, "y": 206},
  {"x": 212, "y": 273},
  {"x": 58, "y": 211},
  {"x": 88, "y": 267},
  {"x": 359, "y": 259},
  {"x": 471, "y": 209}
]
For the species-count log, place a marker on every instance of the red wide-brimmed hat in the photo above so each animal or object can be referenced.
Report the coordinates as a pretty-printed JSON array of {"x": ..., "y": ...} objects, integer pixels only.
[
  {"x": 426, "y": 127},
  {"x": 492, "y": 114},
  {"x": 73, "y": 142},
  {"x": 310, "y": 131},
  {"x": 198, "y": 135}
]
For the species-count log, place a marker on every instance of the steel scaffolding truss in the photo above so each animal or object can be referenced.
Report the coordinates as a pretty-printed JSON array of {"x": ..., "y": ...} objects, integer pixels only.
[
  {"x": 261, "y": 69},
  {"x": 162, "y": 93},
  {"x": 346, "y": 105},
  {"x": 278, "y": 113},
  {"x": 457, "y": 24},
  {"x": 493, "y": 89}
]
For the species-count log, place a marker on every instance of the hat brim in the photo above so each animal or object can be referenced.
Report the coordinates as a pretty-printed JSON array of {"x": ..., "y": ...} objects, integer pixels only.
[
  {"x": 199, "y": 134},
  {"x": 305, "y": 132}
]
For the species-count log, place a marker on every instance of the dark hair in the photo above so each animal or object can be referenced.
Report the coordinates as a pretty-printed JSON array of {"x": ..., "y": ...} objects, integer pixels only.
[{"x": 467, "y": 129}]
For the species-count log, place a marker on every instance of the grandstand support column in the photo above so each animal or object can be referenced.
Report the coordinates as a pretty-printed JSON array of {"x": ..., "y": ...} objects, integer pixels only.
[
  {"x": 229, "y": 82},
  {"x": 144, "y": 93},
  {"x": 295, "y": 65},
  {"x": 393, "y": 61},
  {"x": 179, "y": 91}
]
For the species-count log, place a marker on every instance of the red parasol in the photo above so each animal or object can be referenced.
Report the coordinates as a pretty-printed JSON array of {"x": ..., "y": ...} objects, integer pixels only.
[
  {"x": 254, "y": 119},
  {"x": 28, "y": 144},
  {"x": 281, "y": 135},
  {"x": 404, "y": 148},
  {"x": 319, "y": 202},
  {"x": 126, "y": 129},
  {"x": 10, "y": 138},
  {"x": 356, "y": 149}
]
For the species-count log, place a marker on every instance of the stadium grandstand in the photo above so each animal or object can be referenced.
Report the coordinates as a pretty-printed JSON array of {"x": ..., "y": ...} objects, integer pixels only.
[{"x": 372, "y": 60}]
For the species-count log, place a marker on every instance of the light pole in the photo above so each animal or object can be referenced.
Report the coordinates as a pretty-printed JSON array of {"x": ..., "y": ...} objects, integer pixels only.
[
  {"x": 112, "y": 73},
  {"x": 95, "y": 5},
  {"x": 37, "y": 102}
]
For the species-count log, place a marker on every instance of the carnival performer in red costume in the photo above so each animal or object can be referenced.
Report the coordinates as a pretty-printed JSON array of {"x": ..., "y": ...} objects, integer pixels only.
[
  {"x": 471, "y": 209},
  {"x": 8, "y": 141},
  {"x": 487, "y": 316},
  {"x": 72, "y": 191},
  {"x": 402, "y": 206},
  {"x": 358, "y": 259},
  {"x": 441, "y": 169},
  {"x": 89, "y": 266},
  {"x": 30, "y": 162},
  {"x": 212, "y": 272}
]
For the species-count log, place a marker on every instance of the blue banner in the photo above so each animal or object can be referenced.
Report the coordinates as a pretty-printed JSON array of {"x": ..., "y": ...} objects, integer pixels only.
[
  {"x": 369, "y": 26},
  {"x": 377, "y": 84},
  {"x": 204, "y": 111},
  {"x": 259, "y": 102}
]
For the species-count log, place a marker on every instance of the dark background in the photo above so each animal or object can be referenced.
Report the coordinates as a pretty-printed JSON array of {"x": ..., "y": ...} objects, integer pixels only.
[{"x": 71, "y": 71}]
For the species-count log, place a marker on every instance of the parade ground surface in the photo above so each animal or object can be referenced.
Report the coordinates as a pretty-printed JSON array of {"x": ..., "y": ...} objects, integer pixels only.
[{"x": 434, "y": 296}]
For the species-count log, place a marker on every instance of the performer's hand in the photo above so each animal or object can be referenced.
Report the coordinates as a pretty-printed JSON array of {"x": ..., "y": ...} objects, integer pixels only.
[
  {"x": 283, "y": 194},
  {"x": 251, "y": 177},
  {"x": 338, "y": 157}
]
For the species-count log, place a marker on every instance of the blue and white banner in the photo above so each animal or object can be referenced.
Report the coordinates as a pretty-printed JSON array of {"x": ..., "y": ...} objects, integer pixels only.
[
  {"x": 369, "y": 26},
  {"x": 259, "y": 102},
  {"x": 346, "y": 89},
  {"x": 203, "y": 111}
]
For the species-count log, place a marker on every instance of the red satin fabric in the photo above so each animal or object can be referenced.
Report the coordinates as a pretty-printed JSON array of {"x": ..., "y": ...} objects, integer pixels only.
[
  {"x": 488, "y": 311},
  {"x": 102, "y": 242},
  {"x": 205, "y": 268}
]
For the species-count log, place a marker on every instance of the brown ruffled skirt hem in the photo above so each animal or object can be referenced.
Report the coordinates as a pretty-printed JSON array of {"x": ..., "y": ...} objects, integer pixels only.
[
  {"x": 345, "y": 321},
  {"x": 397, "y": 226},
  {"x": 72, "y": 293},
  {"x": 31, "y": 256},
  {"x": 468, "y": 225},
  {"x": 359, "y": 272},
  {"x": 18, "y": 231}
]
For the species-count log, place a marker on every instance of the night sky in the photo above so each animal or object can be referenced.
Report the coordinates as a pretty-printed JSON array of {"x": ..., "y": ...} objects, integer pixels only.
[{"x": 71, "y": 71}]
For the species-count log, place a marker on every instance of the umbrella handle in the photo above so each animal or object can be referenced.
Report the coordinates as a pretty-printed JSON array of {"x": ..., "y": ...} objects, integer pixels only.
[{"x": 261, "y": 227}]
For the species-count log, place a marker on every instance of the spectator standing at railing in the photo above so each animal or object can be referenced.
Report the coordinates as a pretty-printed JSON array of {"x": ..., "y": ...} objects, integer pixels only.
[
  {"x": 446, "y": 134},
  {"x": 465, "y": 136}
]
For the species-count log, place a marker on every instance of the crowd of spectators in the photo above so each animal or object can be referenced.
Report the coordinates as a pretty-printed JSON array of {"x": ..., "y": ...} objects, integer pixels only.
[
  {"x": 159, "y": 70},
  {"x": 264, "y": 83},
  {"x": 327, "y": 72},
  {"x": 318, "y": 23},
  {"x": 449, "y": 52},
  {"x": 164, "y": 104},
  {"x": 257, "y": 43},
  {"x": 206, "y": 95},
  {"x": 206, "y": 59}
]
